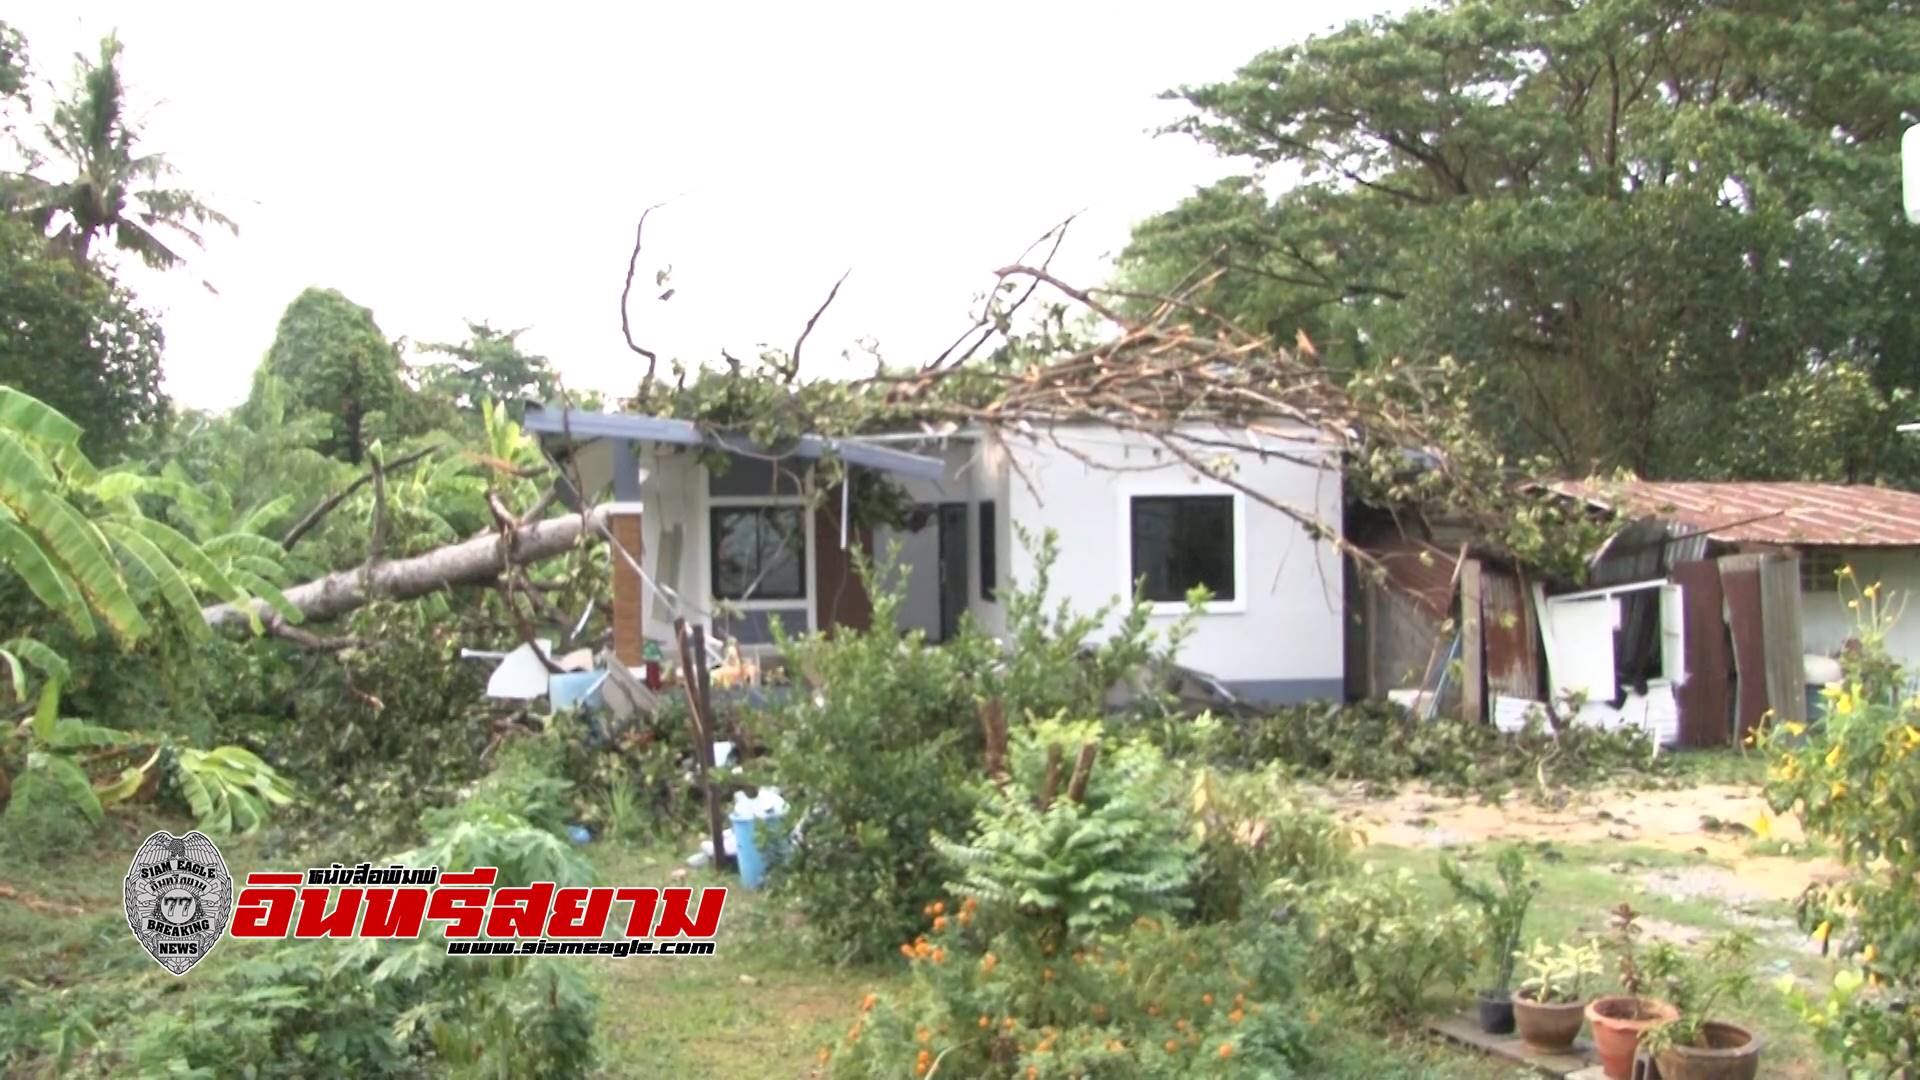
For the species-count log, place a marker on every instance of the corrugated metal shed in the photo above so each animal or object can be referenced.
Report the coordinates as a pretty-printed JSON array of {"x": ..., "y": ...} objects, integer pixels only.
[{"x": 1821, "y": 515}]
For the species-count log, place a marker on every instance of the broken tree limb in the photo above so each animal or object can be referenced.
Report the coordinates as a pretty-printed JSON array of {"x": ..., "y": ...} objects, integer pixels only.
[
  {"x": 471, "y": 562},
  {"x": 327, "y": 504}
]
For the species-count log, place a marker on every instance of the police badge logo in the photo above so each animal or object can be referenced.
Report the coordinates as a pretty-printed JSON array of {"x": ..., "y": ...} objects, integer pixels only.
[{"x": 179, "y": 897}]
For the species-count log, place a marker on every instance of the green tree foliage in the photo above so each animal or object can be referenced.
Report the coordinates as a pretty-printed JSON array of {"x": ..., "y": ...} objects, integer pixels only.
[
  {"x": 110, "y": 188},
  {"x": 77, "y": 341},
  {"x": 82, "y": 556},
  {"x": 332, "y": 359},
  {"x": 1622, "y": 216},
  {"x": 488, "y": 365}
]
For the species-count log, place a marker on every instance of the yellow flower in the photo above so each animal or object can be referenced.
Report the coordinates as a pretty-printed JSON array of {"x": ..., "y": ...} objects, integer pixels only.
[
  {"x": 1844, "y": 571},
  {"x": 1839, "y": 788},
  {"x": 1822, "y": 932},
  {"x": 1795, "y": 728},
  {"x": 1871, "y": 591},
  {"x": 1763, "y": 825},
  {"x": 1869, "y": 954},
  {"x": 1834, "y": 755}
]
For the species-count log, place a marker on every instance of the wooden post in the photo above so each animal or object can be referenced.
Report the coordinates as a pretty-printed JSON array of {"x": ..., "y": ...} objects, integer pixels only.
[
  {"x": 694, "y": 674},
  {"x": 1473, "y": 698}
]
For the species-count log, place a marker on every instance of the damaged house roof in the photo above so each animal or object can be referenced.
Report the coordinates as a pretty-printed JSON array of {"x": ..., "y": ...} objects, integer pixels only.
[
  {"x": 1819, "y": 515},
  {"x": 582, "y": 426}
]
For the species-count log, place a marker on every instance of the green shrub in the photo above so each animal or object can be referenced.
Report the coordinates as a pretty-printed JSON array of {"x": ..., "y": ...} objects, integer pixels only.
[
  {"x": 878, "y": 745},
  {"x": 1374, "y": 939},
  {"x": 1854, "y": 780},
  {"x": 1076, "y": 867},
  {"x": 1058, "y": 956},
  {"x": 1250, "y": 829}
]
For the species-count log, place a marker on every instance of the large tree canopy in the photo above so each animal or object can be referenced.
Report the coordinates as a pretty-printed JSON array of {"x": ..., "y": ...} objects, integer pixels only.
[
  {"x": 76, "y": 341},
  {"x": 488, "y": 365},
  {"x": 1625, "y": 216},
  {"x": 332, "y": 359}
]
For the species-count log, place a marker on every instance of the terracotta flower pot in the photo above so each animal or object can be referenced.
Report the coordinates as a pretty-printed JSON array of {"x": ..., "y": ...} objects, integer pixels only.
[
  {"x": 1547, "y": 1025},
  {"x": 1496, "y": 1011},
  {"x": 1618, "y": 1022},
  {"x": 1732, "y": 1053}
]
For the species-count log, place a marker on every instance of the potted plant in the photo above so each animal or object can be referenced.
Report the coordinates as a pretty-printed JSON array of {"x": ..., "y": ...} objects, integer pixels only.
[
  {"x": 1503, "y": 911},
  {"x": 1695, "y": 1046},
  {"x": 1549, "y": 1007},
  {"x": 1619, "y": 1020}
]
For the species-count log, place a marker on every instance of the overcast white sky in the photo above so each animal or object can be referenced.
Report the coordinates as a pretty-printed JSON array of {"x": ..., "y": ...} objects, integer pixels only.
[{"x": 442, "y": 162}]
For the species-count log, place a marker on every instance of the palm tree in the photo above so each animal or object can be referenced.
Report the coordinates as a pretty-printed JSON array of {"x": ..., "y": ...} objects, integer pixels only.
[{"x": 115, "y": 191}]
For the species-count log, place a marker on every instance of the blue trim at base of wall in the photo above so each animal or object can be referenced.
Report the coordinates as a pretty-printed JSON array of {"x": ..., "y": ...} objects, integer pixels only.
[{"x": 1288, "y": 691}]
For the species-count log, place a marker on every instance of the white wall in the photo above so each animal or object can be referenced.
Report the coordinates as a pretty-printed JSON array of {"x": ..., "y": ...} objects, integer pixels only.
[
  {"x": 1826, "y": 622},
  {"x": 1283, "y": 637}
]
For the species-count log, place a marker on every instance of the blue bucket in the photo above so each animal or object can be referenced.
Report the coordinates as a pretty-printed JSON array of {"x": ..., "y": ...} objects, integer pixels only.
[{"x": 754, "y": 859}]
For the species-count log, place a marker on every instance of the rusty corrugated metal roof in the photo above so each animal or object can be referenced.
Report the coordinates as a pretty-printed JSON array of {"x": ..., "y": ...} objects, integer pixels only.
[{"x": 1826, "y": 515}]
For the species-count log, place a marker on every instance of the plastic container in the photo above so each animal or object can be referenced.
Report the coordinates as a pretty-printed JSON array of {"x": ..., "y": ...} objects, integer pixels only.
[
  {"x": 758, "y": 844},
  {"x": 575, "y": 690}
]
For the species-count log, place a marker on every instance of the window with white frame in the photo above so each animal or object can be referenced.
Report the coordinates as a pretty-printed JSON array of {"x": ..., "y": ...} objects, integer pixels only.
[
  {"x": 1179, "y": 542},
  {"x": 759, "y": 552}
]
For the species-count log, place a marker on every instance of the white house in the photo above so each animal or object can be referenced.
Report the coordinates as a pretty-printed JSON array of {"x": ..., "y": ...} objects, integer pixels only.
[{"x": 737, "y": 548}]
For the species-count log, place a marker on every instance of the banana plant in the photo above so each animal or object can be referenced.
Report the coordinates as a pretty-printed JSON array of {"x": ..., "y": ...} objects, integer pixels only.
[
  {"x": 229, "y": 789},
  {"x": 84, "y": 546}
]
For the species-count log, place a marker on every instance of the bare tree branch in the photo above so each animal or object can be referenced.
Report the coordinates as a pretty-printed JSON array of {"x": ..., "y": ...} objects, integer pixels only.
[
  {"x": 626, "y": 294},
  {"x": 792, "y": 369}
]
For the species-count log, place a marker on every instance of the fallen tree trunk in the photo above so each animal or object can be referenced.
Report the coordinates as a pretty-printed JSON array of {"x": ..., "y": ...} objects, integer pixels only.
[{"x": 469, "y": 562}]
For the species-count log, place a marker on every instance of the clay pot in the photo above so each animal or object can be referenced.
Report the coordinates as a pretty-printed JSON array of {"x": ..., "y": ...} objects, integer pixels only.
[
  {"x": 1618, "y": 1022},
  {"x": 1732, "y": 1053},
  {"x": 1496, "y": 1011},
  {"x": 1545, "y": 1025}
]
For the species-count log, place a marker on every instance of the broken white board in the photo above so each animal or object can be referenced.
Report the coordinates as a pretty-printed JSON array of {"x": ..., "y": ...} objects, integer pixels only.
[
  {"x": 521, "y": 676},
  {"x": 1579, "y": 641}
]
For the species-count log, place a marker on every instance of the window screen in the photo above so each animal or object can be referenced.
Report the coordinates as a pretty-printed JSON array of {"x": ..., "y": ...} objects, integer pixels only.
[{"x": 1180, "y": 541}]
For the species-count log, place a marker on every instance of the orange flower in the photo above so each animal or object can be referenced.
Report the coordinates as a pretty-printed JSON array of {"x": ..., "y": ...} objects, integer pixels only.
[
  {"x": 1171, "y": 1046},
  {"x": 965, "y": 917},
  {"x": 939, "y": 955},
  {"x": 922, "y": 1063},
  {"x": 985, "y": 1021},
  {"x": 1237, "y": 1015},
  {"x": 1033, "y": 1071},
  {"x": 1046, "y": 974},
  {"x": 826, "y": 1054},
  {"x": 906, "y": 950},
  {"x": 939, "y": 906},
  {"x": 939, "y": 923},
  {"x": 922, "y": 1035},
  {"x": 987, "y": 963},
  {"x": 1226, "y": 1050},
  {"x": 1180, "y": 1024},
  {"x": 1206, "y": 999},
  {"x": 868, "y": 1002},
  {"x": 1153, "y": 1008},
  {"x": 1008, "y": 1023}
]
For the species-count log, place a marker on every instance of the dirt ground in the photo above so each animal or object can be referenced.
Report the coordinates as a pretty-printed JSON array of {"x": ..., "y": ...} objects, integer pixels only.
[{"x": 1713, "y": 820}]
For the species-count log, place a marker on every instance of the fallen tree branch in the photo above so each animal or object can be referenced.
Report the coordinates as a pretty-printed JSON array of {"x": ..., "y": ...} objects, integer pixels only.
[
  {"x": 477, "y": 561},
  {"x": 314, "y": 516}
]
